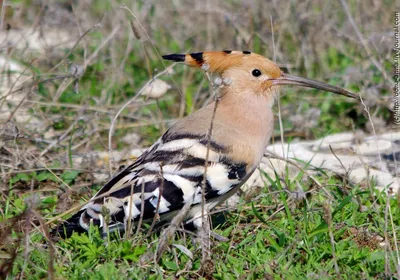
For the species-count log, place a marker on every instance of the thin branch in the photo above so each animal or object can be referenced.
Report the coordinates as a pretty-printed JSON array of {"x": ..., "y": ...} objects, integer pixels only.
[
  {"x": 205, "y": 230},
  {"x": 139, "y": 224},
  {"x": 363, "y": 41},
  {"x": 111, "y": 131},
  {"x": 160, "y": 191}
]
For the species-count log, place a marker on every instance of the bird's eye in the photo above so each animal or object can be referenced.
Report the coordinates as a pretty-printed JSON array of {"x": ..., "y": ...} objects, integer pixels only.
[{"x": 256, "y": 73}]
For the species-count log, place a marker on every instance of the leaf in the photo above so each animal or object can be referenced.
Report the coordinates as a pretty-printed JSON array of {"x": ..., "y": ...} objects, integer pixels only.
[
  {"x": 184, "y": 250},
  {"x": 135, "y": 254},
  {"x": 279, "y": 234},
  {"x": 258, "y": 214},
  {"x": 342, "y": 204},
  {"x": 20, "y": 177},
  {"x": 45, "y": 176},
  {"x": 49, "y": 200},
  {"x": 68, "y": 176},
  {"x": 323, "y": 227},
  {"x": 171, "y": 265},
  {"x": 377, "y": 256}
]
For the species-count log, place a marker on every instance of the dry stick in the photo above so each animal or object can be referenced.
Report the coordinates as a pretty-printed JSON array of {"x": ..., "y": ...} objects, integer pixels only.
[
  {"x": 363, "y": 42},
  {"x": 128, "y": 51},
  {"x": 3, "y": 6},
  {"x": 387, "y": 264},
  {"x": 51, "y": 245},
  {"x": 94, "y": 27},
  {"x": 139, "y": 224},
  {"x": 42, "y": 169},
  {"x": 388, "y": 249},
  {"x": 328, "y": 220},
  {"x": 111, "y": 131},
  {"x": 387, "y": 241},
  {"x": 88, "y": 108},
  {"x": 278, "y": 94},
  {"x": 35, "y": 83},
  {"x": 15, "y": 82},
  {"x": 123, "y": 6},
  {"x": 395, "y": 238},
  {"x": 160, "y": 116},
  {"x": 205, "y": 230},
  {"x": 67, "y": 83},
  {"x": 273, "y": 38},
  {"x": 105, "y": 42},
  {"x": 14, "y": 111},
  {"x": 220, "y": 209},
  {"x": 4, "y": 98},
  {"x": 346, "y": 176},
  {"x": 156, "y": 215},
  {"x": 65, "y": 134},
  {"x": 37, "y": 159},
  {"x": 78, "y": 25},
  {"x": 272, "y": 155},
  {"x": 169, "y": 232},
  {"x": 346, "y": 172},
  {"x": 27, "y": 228},
  {"x": 129, "y": 222}
]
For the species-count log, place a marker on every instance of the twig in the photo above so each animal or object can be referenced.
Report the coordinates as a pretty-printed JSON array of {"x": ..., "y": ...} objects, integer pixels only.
[
  {"x": 273, "y": 155},
  {"x": 134, "y": 30},
  {"x": 170, "y": 231},
  {"x": 3, "y": 8},
  {"x": 105, "y": 42},
  {"x": 160, "y": 191},
  {"x": 394, "y": 237},
  {"x": 328, "y": 220},
  {"x": 129, "y": 220},
  {"x": 139, "y": 224},
  {"x": 70, "y": 128},
  {"x": 363, "y": 41},
  {"x": 205, "y": 230},
  {"x": 111, "y": 131},
  {"x": 387, "y": 241},
  {"x": 94, "y": 27},
  {"x": 37, "y": 159},
  {"x": 46, "y": 233},
  {"x": 15, "y": 110}
]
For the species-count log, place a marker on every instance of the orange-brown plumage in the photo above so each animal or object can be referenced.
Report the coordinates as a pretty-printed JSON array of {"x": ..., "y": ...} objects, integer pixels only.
[{"x": 219, "y": 62}]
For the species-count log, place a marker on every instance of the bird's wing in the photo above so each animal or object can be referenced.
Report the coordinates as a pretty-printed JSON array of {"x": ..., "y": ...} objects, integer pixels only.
[{"x": 168, "y": 175}]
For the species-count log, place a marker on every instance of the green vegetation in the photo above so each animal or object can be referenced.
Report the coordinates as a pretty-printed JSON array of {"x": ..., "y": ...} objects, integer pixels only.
[{"x": 280, "y": 236}]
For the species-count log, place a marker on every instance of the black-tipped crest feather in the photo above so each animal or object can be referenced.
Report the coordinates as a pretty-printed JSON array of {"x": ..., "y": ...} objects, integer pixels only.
[{"x": 175, "y": 57}]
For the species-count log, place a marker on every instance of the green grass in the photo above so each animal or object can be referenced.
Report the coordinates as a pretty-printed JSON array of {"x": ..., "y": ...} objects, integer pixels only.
[{"x": 276, "y": 235}]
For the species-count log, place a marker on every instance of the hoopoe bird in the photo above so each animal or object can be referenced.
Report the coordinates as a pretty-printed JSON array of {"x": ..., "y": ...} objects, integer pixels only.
[{"x": 190, "y": 155}]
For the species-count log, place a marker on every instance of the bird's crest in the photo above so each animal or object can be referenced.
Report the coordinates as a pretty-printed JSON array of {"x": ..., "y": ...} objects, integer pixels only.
[{"x": 216, "y": 62}]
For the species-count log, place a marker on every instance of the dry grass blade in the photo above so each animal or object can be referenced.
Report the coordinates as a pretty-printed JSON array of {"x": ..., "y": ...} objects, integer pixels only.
[{"x": 111, "y": 131}]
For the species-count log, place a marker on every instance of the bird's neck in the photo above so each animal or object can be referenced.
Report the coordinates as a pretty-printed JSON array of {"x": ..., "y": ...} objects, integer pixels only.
[
  {"x": 250, "y": 118},
  {"x": 248, "y": 112}
]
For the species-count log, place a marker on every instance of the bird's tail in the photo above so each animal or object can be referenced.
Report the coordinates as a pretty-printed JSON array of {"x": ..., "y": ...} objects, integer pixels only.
[{"x": 68, "y": 227}]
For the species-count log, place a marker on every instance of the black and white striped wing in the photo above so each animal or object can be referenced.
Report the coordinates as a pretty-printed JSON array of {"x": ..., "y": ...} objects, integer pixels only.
[{"x": 172, "y": 171}]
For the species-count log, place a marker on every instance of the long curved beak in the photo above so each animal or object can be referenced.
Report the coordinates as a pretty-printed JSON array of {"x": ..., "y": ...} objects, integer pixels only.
[{"x": 287, "y": 79}]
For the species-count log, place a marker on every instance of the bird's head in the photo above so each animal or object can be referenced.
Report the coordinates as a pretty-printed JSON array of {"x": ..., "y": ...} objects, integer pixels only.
[{"x": 245, "y": 72}]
